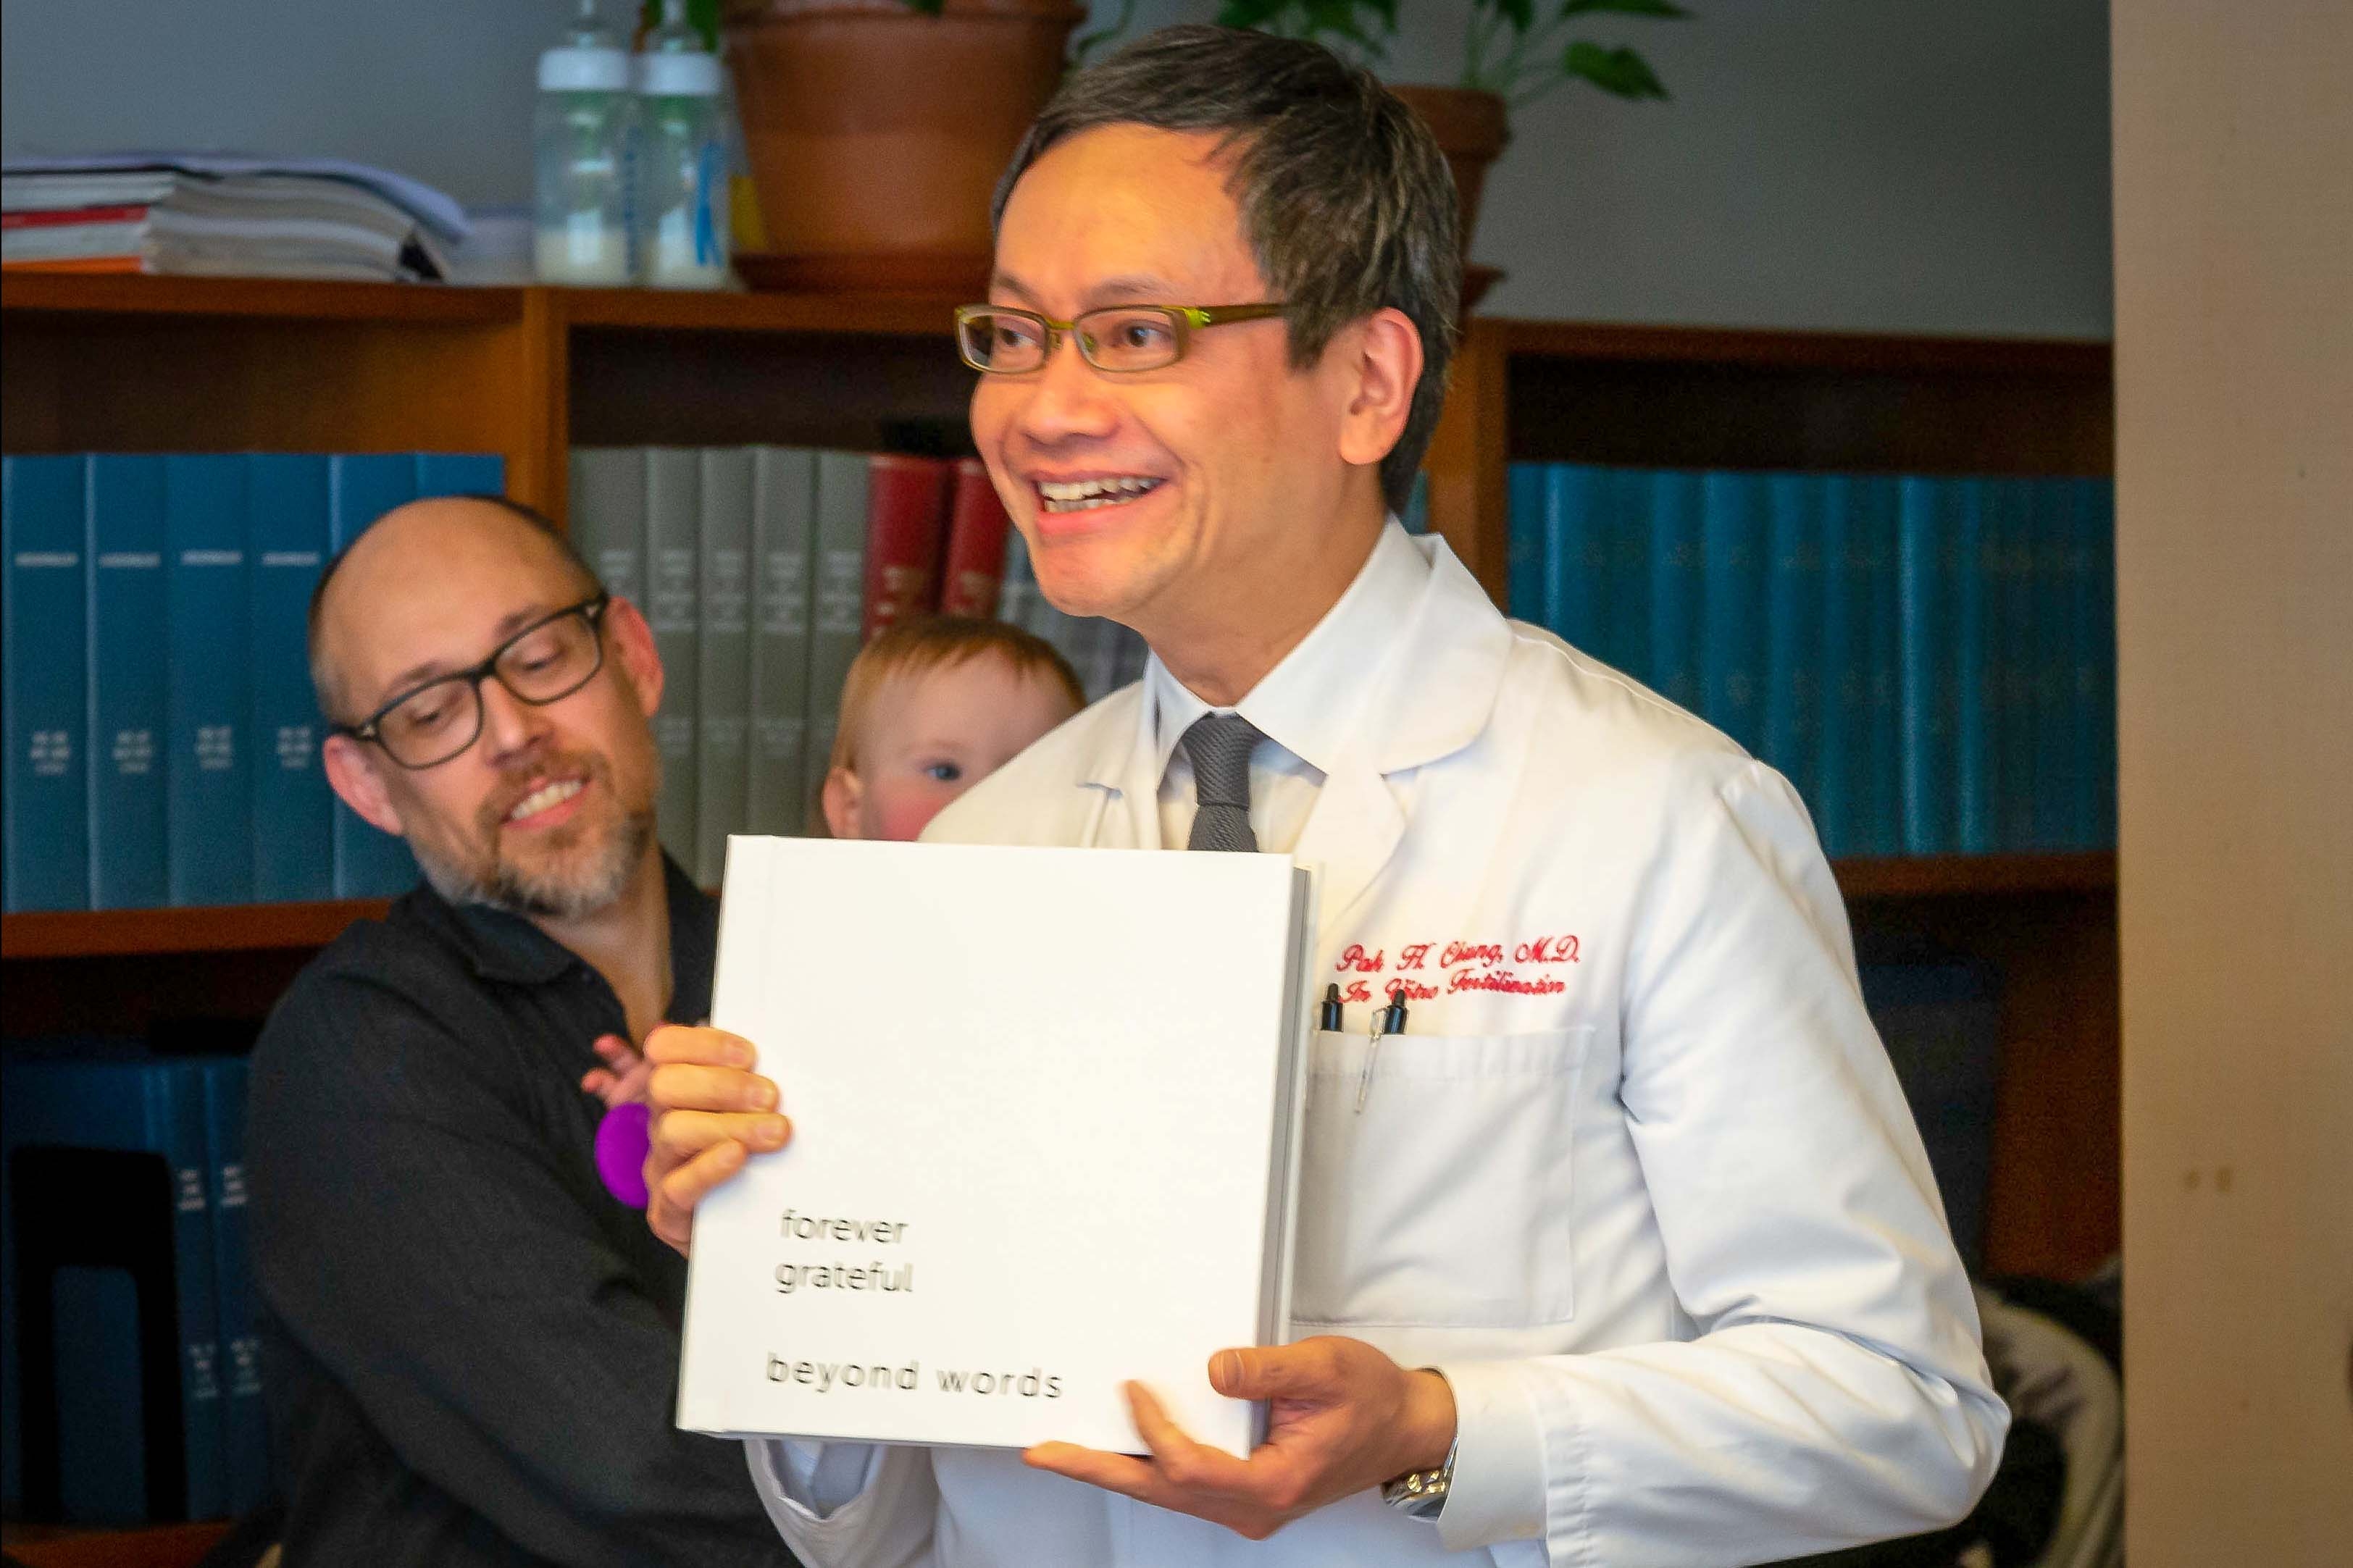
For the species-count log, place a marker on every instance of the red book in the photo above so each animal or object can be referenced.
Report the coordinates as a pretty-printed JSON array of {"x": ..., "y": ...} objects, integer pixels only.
[
  {"x": 904, "y": 500},
  {"x": 61, "y": 217},
  {"x": 975, "y": 565}
]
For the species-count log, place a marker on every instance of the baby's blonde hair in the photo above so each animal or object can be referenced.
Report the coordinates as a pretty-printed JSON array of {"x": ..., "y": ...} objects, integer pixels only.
[{"x": 918, "y": 647}]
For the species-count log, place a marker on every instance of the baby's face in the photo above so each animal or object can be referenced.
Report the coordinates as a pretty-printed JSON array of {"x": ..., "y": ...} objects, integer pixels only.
[{"x": 931, "y": 737}]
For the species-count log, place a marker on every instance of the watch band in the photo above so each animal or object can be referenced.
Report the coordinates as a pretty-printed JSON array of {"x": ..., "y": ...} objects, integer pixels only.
[{"x": 1421, "y": 1494}]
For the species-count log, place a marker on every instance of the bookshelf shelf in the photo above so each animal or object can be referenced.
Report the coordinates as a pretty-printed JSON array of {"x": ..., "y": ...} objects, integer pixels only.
[
  {"x": 1965, "y": 876},
  {"x": 239, "y": 928},
  {"x": 254, "y": 297},
  {"x": 83, "y": 1546}
]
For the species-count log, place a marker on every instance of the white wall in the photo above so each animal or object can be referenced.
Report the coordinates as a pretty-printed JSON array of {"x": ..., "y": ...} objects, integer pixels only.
[
  {"x": 2234, "y": 566},
  {"x": 1931, "y": 165}
]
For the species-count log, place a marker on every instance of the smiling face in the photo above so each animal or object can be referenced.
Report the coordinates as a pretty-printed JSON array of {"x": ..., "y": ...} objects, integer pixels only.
[
  {"x": 549, "y": 811},
  {"x": 928, "y": 736},
  {"x": 1204, "y": 501}
]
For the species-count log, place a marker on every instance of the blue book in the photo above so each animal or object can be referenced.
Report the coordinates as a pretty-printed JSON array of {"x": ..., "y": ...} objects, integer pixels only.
[
  {"x": 2087, "y": 560},
  {"x": 1978, "y": 541},
  {"x": 44, "y": 686},
  {"x": 1794, "y": 567},
  {"x": 205, "y": 766},
  {"x": 2053, "y": 507},
  {"x": 1844, "y": 743},
  {"x": 1673, "y": 673},
  {"x": 1576, "y": 556},
  {"x": 362, "y": 486},
  {"x": 1928, "y": 688},
  {"x": 1626, "y": 579},
  {"x": 293, "y": 809},
  {"x": 1941, "y": 1024},
  {"x": 1415, "y": 519},
  {"x": 113, "y": 1319},
  {"x": 1732, "y": 619},
  {"x": 245, "y": 1422},
  {"x": 460, "y": 474},
  {"x": 1525, "y": 542},
  {"x": 129, "y": 689},
  {"x": 1879, "y": 824},
  {"x": 2099, "y": 518}
]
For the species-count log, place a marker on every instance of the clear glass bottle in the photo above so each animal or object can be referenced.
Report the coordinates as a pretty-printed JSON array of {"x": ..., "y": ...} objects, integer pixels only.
[
  {"x": 680, "y": 193},
  {"x": 582, "y": 132}
]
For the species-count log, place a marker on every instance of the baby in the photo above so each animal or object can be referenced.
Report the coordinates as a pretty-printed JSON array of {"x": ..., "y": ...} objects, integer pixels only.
[{"x": 928, "y": 709}]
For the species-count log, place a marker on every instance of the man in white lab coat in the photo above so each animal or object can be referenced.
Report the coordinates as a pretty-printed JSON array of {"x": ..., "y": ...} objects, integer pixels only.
[{"x": 1626, "y": 1252}]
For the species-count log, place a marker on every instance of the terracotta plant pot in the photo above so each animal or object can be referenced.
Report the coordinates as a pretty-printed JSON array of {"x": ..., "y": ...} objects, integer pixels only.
[
  {"x": 1472, "y": 127},
  {"x": 876, "y": 134}
]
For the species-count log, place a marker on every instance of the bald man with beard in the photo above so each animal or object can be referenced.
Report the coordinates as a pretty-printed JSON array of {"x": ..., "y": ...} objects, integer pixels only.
[{"x": 471, "y": 1346}]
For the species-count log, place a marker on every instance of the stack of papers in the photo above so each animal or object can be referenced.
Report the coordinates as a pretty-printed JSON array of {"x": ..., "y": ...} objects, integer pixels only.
[{"x": 187, "y": 214}]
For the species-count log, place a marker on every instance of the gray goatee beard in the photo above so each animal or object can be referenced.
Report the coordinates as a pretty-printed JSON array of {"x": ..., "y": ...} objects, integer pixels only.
[{"x": 572, "y": 896}]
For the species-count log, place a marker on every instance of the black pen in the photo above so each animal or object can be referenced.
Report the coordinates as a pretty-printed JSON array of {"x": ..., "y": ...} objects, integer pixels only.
[
  {"x": 1389, "y": 1020},
  {"x": 1330, "y": 1017}
]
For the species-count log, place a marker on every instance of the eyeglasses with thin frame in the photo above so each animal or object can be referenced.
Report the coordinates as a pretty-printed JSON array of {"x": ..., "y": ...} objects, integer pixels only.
[
  {"x": 545, "y": 662},
  {"x": 1001, "y": 339}
]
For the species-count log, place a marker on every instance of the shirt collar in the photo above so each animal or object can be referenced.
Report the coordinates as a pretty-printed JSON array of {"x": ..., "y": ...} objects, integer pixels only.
[
  {"x": 507, "y": 949},
  {"x": 1309, "y": 703}
]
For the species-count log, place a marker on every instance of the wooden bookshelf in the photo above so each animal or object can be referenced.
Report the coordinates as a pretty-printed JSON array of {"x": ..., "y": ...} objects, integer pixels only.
[
  {"x": 83, "y": 1546},
  {"x": 224, "y": 365}
]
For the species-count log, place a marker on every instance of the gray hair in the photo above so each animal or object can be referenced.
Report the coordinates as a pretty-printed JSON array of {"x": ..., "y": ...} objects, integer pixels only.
[{"x": 1346, "y": 199}]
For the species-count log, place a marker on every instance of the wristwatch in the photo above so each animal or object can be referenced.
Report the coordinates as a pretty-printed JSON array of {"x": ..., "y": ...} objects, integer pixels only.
[{"x": 1419, "y": 1494}]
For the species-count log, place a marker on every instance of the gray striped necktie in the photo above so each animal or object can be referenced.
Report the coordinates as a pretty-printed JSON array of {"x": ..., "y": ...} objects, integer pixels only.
[{"x": 1219, "y": 746}]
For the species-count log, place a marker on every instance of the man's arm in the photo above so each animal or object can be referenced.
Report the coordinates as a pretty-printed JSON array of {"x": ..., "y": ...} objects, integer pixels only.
[
  {"x": 1837, "y": 1391},
  {"x": 411, "y": 1234}
]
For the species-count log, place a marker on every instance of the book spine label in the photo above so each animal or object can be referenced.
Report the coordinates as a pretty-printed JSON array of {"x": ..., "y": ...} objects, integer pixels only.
[
  {"x": 837, "y": 606},
  {"x": 1731, "y": 647},
  {"x": 783, "y": 483},
  {"x": 1675, "y": 502},
  {"x": 177, "y": 1113},
  {"x": 44, "y": 682},
  {"x": 721, "y": 756},
  {"x": 206, "y": 768},
  {"x": 1792, "y": 723},
  {"x": 293, "y": 809},
  {"x": 973, "y": 565},
  {"x": 1924, "y": 593},
  {"x": 673, "y": 594},
  {"x": 128, "y": 689},
  {"x": 904, "y": 498},
  {"x": 245, "y": 1421},
  {"x": 460, "y": 474},
  {"x": 362, "y": 486}
]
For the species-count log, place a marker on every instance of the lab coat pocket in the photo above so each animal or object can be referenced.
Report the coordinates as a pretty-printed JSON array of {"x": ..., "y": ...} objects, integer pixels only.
[{"x": 1434, "y": 1183}]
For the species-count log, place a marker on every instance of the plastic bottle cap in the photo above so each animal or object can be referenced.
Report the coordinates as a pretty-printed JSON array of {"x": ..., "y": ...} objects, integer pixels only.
[
  {"x": 679, "y": 75},
  {"x": 584, "y": 70}
]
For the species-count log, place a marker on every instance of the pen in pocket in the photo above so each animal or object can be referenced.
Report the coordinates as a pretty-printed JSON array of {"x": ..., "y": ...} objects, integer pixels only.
[{"x": 1389, "y": 1020}]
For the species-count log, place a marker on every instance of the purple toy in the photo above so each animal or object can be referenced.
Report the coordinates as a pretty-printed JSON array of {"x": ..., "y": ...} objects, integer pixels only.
[{"x": 623, "y": 1140}]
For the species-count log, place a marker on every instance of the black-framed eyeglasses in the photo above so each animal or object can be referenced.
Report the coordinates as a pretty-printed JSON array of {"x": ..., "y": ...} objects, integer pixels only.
[
  {"x": 999, "y": 340},
  {"x": 546, "y": 661}
]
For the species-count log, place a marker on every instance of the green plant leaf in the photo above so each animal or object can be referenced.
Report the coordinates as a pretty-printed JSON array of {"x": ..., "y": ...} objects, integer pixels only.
[
  {"x": 1623, "y": 7},
  {"x": 1520, "y": 14},
  {"x": 1621, "y": 72},
  {"x": 1248, "y": 13}
]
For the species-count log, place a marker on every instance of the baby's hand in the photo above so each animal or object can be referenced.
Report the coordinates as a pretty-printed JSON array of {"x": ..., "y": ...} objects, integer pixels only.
[{"x": 623, "y": 1077}]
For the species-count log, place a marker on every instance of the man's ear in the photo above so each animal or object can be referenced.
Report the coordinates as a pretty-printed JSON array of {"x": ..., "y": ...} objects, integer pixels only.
[
  {"x": 1383, "y": 361},
  {"x": 842, "y": 792},
  {"x": 354, "y": 776},
  {"x": 633, "y": 645}
]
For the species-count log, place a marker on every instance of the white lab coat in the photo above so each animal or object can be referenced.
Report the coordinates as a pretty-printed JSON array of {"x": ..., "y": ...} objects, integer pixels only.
[{"x": 1639, "y": 1180}]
